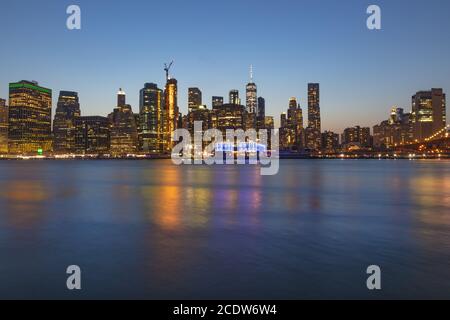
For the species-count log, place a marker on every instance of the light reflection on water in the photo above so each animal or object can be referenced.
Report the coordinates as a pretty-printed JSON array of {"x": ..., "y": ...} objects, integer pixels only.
[{"x": 149, "y": 229}]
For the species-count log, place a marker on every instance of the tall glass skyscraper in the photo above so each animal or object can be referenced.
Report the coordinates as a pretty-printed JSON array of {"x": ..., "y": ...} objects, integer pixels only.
[
  {"x": 314, "y": 106},
  {"x": 313, "y": 131},
  {"x": 171, "y": 113},
  {"x": 251, "y": 98},
  {"x": 30, "y": 113},
  {"x": 3, "y": 127},
  {"x": 251, "y": 95},
  {"x": 64, "y": 130},
  {"x": 150, "y": 110}
]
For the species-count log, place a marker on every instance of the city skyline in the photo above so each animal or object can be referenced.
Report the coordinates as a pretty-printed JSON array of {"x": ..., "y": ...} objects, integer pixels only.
[
  {"x": 291, "y": 49},
  {"x": 148, "y": 131}
]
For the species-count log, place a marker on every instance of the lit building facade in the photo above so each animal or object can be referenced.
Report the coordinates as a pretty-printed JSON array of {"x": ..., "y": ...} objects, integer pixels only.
[
  {"x": 234, "y": 97},
  {"x": 229, "y": 116},
  {"x": 64, "y": 129},
  {"x": 313, "y": 131},
  {"x": 269, "y": 123},
  {"x": 428, "y": 113},
  {"x": 292, "y": 130},
  {"x": 151, "y": 115},
  {"x": 284, "y": 132},
  {"x": 29, "y": 118},
  {"x": 194, "y": 98},
  {"x": 170, "y": 114},
  {"x": 202, "y": 114},
  {"x": 124, "y": 135},
  {"x": 217, "y": 102},
  {"x": 261, "y": 115},
  {"x": 395, "y": 131},
  {"x": 3, "y": 127},
  {"x": 330, "y": 142},
  {"x": 357, "y": 137},
  {"x": 92, "y": 135},
  {"x": 251, "y": 98}
]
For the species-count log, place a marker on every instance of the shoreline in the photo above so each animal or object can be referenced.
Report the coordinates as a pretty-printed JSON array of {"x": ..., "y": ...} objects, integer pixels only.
[{"x": 293, "y": 157}]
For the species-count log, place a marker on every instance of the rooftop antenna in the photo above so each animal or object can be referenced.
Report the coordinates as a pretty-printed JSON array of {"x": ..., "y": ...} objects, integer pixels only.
[
  {"x": 251, "y": 73},
  {"x": 167, "y": 68}
]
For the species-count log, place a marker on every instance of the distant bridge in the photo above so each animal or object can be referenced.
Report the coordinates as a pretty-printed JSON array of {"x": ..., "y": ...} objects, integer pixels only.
[{"x": 437, "y": 143}]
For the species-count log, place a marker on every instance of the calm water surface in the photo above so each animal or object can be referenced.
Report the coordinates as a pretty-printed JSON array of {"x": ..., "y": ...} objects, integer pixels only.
[{"x": 149, "y": 229}]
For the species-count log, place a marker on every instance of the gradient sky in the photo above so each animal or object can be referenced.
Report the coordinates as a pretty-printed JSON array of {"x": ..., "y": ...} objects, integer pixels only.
[{"x": 124, "y": 44}]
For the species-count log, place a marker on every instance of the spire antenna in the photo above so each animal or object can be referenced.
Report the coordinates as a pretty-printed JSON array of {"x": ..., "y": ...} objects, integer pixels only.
[{"x": 251, "y": 73}]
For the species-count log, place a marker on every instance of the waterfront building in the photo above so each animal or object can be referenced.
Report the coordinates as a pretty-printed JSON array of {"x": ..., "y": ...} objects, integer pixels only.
[
  {"x": 92, "y": 135},
  {"x": 292, "y": 130},
  {"x": 124, "y": 135},
  {"x": 330, "y": 142},
  {"x": 151, "y": 113},
  {"x": 29, "y": 118},
  {"x": 3, "y": 127},
  {"x": 67, "y": 111},
  {"x": 284, "y": 132},
  {"x": 428, "y": 113},
  {"x": 313, "y": 131},
  {"x": 171, "y": 117},
  {"x": 397, "y": 130},
  {"x": 357, "y": 138}
]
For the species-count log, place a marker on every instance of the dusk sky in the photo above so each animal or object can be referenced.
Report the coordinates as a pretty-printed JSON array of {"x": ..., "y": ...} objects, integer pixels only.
[{"x": 362, "y": 73}]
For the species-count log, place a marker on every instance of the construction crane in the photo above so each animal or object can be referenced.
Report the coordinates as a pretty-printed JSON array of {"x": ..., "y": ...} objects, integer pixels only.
[{"x": 167, "y": 68}]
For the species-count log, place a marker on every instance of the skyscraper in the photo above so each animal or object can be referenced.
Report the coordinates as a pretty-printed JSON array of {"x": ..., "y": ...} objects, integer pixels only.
[
  {"x": 251, "y": 95},
  {"x": 92, "y": 135},
  {"x": 217, "y": 102},
  {"x": 199, "y": 114},
  {"x": 121, "y": 98},
  {"x": 30, "y": 112},
  {"x": 294, "y": 125},
  {"x": 314, "y": 106},
  {"x": 67, "y": 111},
  {"x": 171, "y": 113},
  {"x": 313, "y": 132},
  {"x": 428, "y": 113},
  {"x": 3, "y": 127},
  {"x": 150, "y": 109},
  {"x": 124, "y": 136},
  {"x": 234, "y": 97},
  {"x": 261, "y": 116},
  {"x": 261, "y": 107},
  {"x": 194, "y": 98}
]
